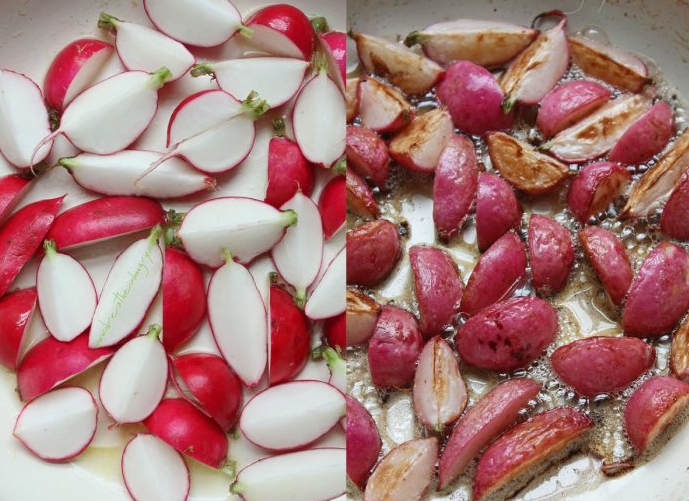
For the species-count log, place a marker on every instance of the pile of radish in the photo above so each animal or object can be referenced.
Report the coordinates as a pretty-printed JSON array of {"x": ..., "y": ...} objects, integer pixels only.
[
  {"x": 513, "y": 123},
  {"x": 222, "y": 287}
]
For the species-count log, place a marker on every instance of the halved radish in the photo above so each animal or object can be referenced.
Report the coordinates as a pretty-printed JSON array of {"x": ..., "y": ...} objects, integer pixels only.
[
  {"x": 129, "y": 290},
  {"x": 52, "y": 362},
  {"x": 117, "y": 174},
  {"x": 288, "y": 171},
  {"x": 312, "y": 475},
  {"x": 336, "y": 43},
  {"x": 237, "y": 316},
  {"x": 145, "y": 49},
  {"x": 419, "y": 145},
  {"x": 298, "y": 255},
  {"x": 328, "y": 296},
  {"x": 362, "y": 315},
  {"x": 23, "y": 120},
  {"x": 318, "y": 120},
  {"x": 203, "y": 23},
  {"x": 244, "y": 226},
  {"x": 335, "y": 332},
  {"x": 12, "y": 188},
  {"x": 381, "y": 107},
  {"x": 283, "y": 30},
  {"x": 74, "y": 68},
  {"x": 66, "y": 294},
  {"x": 16, "y": 311},
  {"x": 154, "y": 471},
  {"x": 352, "y": 98},
  {"x": 338, "y": 369},
  {"x": 58, "y": 426},
  {"x": 290, "y": 337},
  {"x": 275, "y": 79},
  {"x": 332, "y": 205},
  {"x": 104, "y": 218},
  {"x": 135, "y": 379}
]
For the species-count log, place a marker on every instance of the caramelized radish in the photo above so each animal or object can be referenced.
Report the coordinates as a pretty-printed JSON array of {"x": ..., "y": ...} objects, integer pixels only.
[
  {"x": 362, "y": 314},
  {"x": 595, "y": 188},
  {"x": 360, "y": 199},
  {"x": 12, "y": 189},
  {"x": 352, "y": 98},
  {"x": 332, "y": 206},
  {"x": 282, "y": 30},
  {"x": 367, "y": 154},
  {"x": 363, "y": 442},
  {"x": 336, "y": 42},
  {"x": 290, "y": 337},
  {"x": 381, "y": 107},
  {"x": 419, "y": 145},
  {"x": 16, "y": 311},
  {"x": 328, "y": 298},
  {"x": 288, "y": 172},
  {"x": 646, "y": 137},
  {"x": 568, "y": 103}
]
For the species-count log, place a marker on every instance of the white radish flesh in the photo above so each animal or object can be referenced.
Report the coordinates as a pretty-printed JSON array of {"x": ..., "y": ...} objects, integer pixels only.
[
  {"x": 298, "y": 255},
  {"x": 100, "y": 66},
  {"x": 313, "y": 475},
  {"x": 58, "y": 425},
  {"x": 128, "y": 292},
  {"x": 154, "y": 471},
  {"x": 243, "y": 226},
  {"x": 338, "y": 369},
  {"x": 238, "y": 319},
  {"x": 117, "y": 174},
  {"x": 66, "y": 295},
  {"x": 319, "y": 119},
  {"x": 200, "y": 112},
  {"x": 23, "y": 120},
  {"x": 135, "y": 379},
  {"x": 328, "y": 297}
]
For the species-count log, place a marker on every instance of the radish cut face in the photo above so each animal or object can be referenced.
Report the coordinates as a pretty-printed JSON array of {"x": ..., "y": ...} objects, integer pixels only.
[
  {"x": 319, "y": 119},
  {"x": 328, "y": 297},
  {"x": 128, "y": 292},
  {"x": 58, "y": 425},
  {"x": 238, "y": 319},
  {"x": 200, "y": 112},
  {"x": 243, "y": 226},
  {"x": 23, "y": 120},
  {"x": 311, "y": 475},
  {"x": 135, "y": 379},
  {"x": 292, "y": 415},
  {"x": 298, "y": 255},
  {"x": 203, "y": 23},
  {"x": 154, "y": 471},
  {"x": 66, "y": 295}
]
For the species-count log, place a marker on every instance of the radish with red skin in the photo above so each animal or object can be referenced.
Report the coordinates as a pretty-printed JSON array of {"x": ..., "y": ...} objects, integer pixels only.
[
  {"x": 333, "y": 207},
  {"x": 327, "y": 297},
  {"x": 337, "y": 44},
  {"x": 189, "y": 431},
  {"x": 338, "y": 373},
  {"x": 21, "y": 236},
  {"x": 12, "y": 189},
  {"x": 568, "y": 103},
  {"x": 52, "y": 362},
  {"x": 308, "y": 410},
  {"x": 551, "y": 254},
  {"x": 16, "y": 311},
  {"x": 211, "y": 384},
  {"x": 282, "y": 30},
  {"x": 419, "y": 145},
  {"x": 382, "y": 108},
  {"x": 645, "y": 137},
  {"x": 352, "y": 98},
  {"x": 154, "y": 471},
  {"x": 335, "y": 331},
  {"x": 290, "y": 337},
  {"x": 66, "y": 295},
  {"x": 675, "y": 213},
  {"x": 609, "y": 258},
  {"x": 362, "y": 314},
  {"x": 368, "y": 155},
  {"x": 596, "y": 186},
  {"x": 497, "y": 209},
  {"x": 237, "y": 316},
  {"x": 360, "y": 199},
  {"x": 363, "y": 440},
  {"x": 373, "y": 250},
  {"x": 59, "y": 425},
  {"x": 288, "y": 172}
]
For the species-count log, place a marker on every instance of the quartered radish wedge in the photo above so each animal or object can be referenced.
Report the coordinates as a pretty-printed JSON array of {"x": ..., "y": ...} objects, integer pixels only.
[
  {"x": 128, "y": 292},
  {"x": 154, "y": 471},
  {"x": 292, "y": 415},
  {"x": 311, "y": 475},
  {"x": 66, "y": 294},
  {"x": 282, "y": 30},
  {"x": 135, "y": 379},
  {"x": 237, "y": 316},
  {"x": 145, "y": 49},
  {"x": 12, "y": 189},
  {"x": 298, "y": 255},
  {"x": 275, "y": 79},
  {"x": 23, "y": 120},
  {"x": 117, "y": 174},
  {"x": 16, "y": 311},
  {"x": 382, "y": 108},
  {"x": 338, "y": 369},
  {"x": 244, "y": 226},
  {"x": 59, "y": 425},
  {"x": 328, "y": 296}
]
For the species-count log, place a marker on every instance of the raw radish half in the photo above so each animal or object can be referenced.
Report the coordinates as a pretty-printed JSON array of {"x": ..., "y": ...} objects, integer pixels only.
[
  {"x": 238, "y": 319},
  {"x": 154, "y": 471},
  {"x": 135, "y": 379},
  {"x": 312, "y": 475},
  {"x": 328, "y": 297},
  {"x": 282, "y": 30},
  {"x": 66, "y": 295},
  {"x": 298, "y": 255},
  {"x": 16, "y": 311},
  {"x": 243, "y": 226},
  {"x": 12, "y": 189},
  {"x": 128, "y": 292},
  {"x": 59, "y": 425},
  {"x": 145, "y": 49}
]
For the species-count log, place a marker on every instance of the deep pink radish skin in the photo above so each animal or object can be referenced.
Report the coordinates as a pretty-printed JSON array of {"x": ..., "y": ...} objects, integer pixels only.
[
  {"x": 368, "y": 155},
  {"x": 189, "y": 431},
  {"x": 609, "y": 258},
  {"x": 288, "y": 172},
  {"x": 373, "y": 250},
  {"x": 12, "y": 188},
  {"x": 645, "y": 137},
  {"x": 332, "y": 204},
  {"x": 290, "y": 337},
  {"x": 51, "y": 362},
  {"x": 217, "y": 390},
  {"x": 360, "y": 199},
  {"x": 66, "y": 66},
  {"x": 184, "y": 298},
  {"x": 337, "y": 43},
  {"x": 16, "y": 309},
  {"x": 497, "y": 209},
  {"x": 597, "y": 185},
  {"x": 673, "y": 221},
  {"x": 568, "y": 103},
  {"x": 363, "y": 441},
  {"x": 22, "y": 235},
  {"x": 551, "y": 254},
  {"x": 105, "y": 218},
  {"x": 290, "y": 22},
  {"x": 335, "y": 331}
]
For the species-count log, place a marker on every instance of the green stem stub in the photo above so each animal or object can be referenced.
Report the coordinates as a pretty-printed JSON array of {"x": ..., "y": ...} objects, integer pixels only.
[
  {"x": 230, "y": 469},
  {"x": 279, "y": 127},
  {"x": 317, "y": 352},
  {"x": 227, "y": 256},
  {"x": 153, "y": 237},
  {"x": 237, "y": 488},
  {"x": 245, "y": 31},
  {"x": 68, "y": 162},
  {"x": 332, "y": 358},
  {"x": 54, "y": 119},
  {"x": 108, "y": 22},
  {"x": 546, "y": 146},
  {"x": 254, "y": 105},
  {"x": 159, "y": 78},
  {"x": 415, "y": 37},
  {"x": 290, "y": 217},
  {"x": 50, "y": 248},
  {"x": 154, "y": 331},
  {"x": 320, "y": 24},
  {"x": 201, "y": 69},
  {"x": 340, "y": 166},
  {"x": 508, "y": 103},
  {"x": 300, "y": 298}
]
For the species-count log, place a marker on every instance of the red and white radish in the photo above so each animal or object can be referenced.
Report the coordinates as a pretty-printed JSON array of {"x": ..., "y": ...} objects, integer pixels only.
[
  {"x": 154, "y": 471},
  {"x": 497, "y": 209},
  {"x": 419, "y": 145},
  {"x": 312, "y": 475},
  {"x": 23, "y": 121},
  {"x": 327, "y": 298},
  {"x": 288, "y": 172},
  {"x": 332, "y": 206},
  {"x": 282, "y": 30},
  {"x": 362, "y": 314},
  {"x": 363, "y": 442},
  {"x": 336, "y": 42},
  {"x": 645, "y": 137},
  {"x": 352, "y": 98},
  {"x": 129, "y": 290},
  {"x": 568, "y": 103},
  {"x": 367, "y": 154},
  {"x": 16, "y": 311},
  {"x": 335, "y": 332},
  {"x": 66, "y": 294},
  {"x": 338, "y": 369},
  {"x": 360, "y": 199},
  {"x": 382, "y": 108},
  {"x": 290, "y": 337},
  {"x": 237, "y": 316},
  {"x": 58, "y": 426},
  {"x": 12, "y": 189},
  {"x": 595, "y": 188},
  {"x": 243, "y": 226},
  {"x": 674, "y": 216}
]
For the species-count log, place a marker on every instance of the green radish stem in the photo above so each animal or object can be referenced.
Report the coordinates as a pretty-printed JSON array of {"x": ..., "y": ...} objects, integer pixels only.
[
  {"x": 154, "y": 331},
  {"x": 508, "y": 104},
  {"x": 333, "y": 359},
  {"x": 155, "y": 235},
  {"x": 237, "y": 488},
  {"x": 300, "y": 297},
  {"x": 289, "y": 217},
  {"x": 317, "y": 352},
  {"x": 279, "y": 127},
  {"x": 245, "y": 31},
  {"x": 50, "y": 248},
  {"x": 255, "y": 105},
  {"x": 341, "y": 166},
  {"x": 230, "y": 469},
  {"x": 320, "y": 24},
  {"x": 227, "y": 255},
  {"x": 108, "y": 22},
  {"x": 159, "y": 78},
  {"x": 201, "y": 69},
  {"x": 415, "y": 37},
  {"x": 173, "y": 220}
]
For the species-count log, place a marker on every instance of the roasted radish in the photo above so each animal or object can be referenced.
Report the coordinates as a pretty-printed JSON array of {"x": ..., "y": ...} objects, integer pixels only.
[
  {"x": 363, "y": 442},
  {"x": 676, "y": 210},
  {"x": 290, "y": 337},
  {"x": 497, "y": 209},
  {"x": 352, "y": 98},
  {"x": 381, "y": 107},
  {"x": 551, "y": 254},
  {"x": 360, "y": 199},
  {"x": 597, "y": 186},
  {"x": 373, "y": 250},
  {"x": 679, "y": 351},
  {"x": 327, "y": 297},
  {"x": 367, "y": 154},
  {"x": 419, "y": 145},
  {"x": 362, "y": 315},
  {"x": 16, "y": 311},
  {"x": 568, "y": 103},
  {"x": 609, "y": 258},
  {"x": 645, "y": 137}
]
